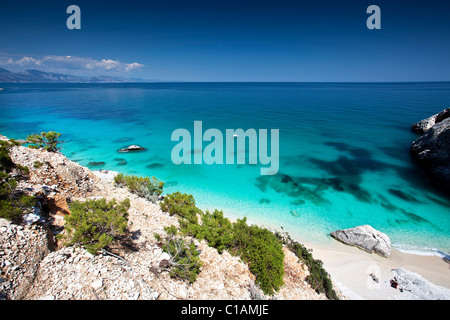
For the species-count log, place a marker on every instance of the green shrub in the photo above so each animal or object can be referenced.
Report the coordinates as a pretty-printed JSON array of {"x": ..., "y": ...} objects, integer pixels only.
[
  {"x": 145, "y": 187},
  {"x": 13, "y": 209},
  {"x": 171, "y": 230},
  {"x": 37, "y": 164},
  {"x": 182, "y": 205},
  {"x": 215, "y": 229},
  {"x": 13, "y": 203},
  {"x": 96, "y": 223},
  {"x": 184, "y": 262},
  {"x": 264, "y": 253},
  {"x": 258, "y": 247},
  {"x": 46, "y": 140}
]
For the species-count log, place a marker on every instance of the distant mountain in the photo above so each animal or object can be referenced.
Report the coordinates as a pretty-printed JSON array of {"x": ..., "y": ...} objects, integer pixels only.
[{"x": 36, "y": 76}]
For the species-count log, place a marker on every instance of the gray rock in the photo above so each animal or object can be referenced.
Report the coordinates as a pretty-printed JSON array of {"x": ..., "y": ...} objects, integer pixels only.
[
  {"x": 419, "y": 287},
  {"x": 97, "y": 284},
  {"x": 432, "y": 151},
  {"x": 366, "y": 238},
  {"x": 23, "y": 249},
  {"x": 424, "y": 125}
]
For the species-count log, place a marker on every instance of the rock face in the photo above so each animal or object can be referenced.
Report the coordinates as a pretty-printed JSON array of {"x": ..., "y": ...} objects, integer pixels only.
[
  {"x": 74, "y": 273},
  {"x": 366, "y": 238},
  {"x": 423, "y": 125},
  {"x": 419, "y": 287},
  {"x": 21, "y": 251},
  {"x": 432, "y": 150}
]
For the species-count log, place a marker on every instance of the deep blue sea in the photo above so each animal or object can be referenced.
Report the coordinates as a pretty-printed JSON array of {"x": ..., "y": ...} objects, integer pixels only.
[{"x": 344, "y": 148}]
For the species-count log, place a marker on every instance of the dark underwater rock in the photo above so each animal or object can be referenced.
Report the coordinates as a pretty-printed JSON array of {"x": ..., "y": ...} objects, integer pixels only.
[{"x": 96, "y": 164}]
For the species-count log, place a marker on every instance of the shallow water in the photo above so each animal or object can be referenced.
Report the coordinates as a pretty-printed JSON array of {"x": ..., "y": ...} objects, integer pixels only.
[{"x": 344, "y": 157}]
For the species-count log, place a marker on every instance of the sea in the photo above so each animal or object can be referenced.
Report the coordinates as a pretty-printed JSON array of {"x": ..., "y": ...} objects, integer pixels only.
[{"x": 344, "y": 154}]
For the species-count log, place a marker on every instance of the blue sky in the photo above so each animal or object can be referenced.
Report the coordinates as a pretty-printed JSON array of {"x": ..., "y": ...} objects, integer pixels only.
[{"x": 215, "y": 40}]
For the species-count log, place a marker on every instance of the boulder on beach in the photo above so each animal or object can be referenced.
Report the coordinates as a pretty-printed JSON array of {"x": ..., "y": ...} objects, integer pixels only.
[
  {"x": 432, "y": 150},
  {"x": 366, "y": 238},
  {"x": 132, "y": 147}
]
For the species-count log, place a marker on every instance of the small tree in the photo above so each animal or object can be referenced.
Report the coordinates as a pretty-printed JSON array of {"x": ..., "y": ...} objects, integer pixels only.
[
  {"x": 96, "y": 223},
  {"x": 184, "y": 262},
  {"x": 46, "y": 140}
]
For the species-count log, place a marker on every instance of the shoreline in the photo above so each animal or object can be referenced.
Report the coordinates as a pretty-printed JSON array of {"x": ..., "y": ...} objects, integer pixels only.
[{"x": 350, "y": 267}]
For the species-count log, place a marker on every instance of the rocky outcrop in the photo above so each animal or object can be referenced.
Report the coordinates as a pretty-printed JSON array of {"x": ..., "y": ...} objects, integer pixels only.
[
  {"x": 432, "y": 150},
  {"x": 22, "y": 248},
  {"x": 366, "y": 238},
  {"x": 53, "y": 172},
  {"x": 417, "y": 287},
  {"x": 423, "y": 125}
]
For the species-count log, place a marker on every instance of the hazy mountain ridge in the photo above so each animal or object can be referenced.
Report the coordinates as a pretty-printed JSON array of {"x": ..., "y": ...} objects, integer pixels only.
[{"x": 37, "y": 76}]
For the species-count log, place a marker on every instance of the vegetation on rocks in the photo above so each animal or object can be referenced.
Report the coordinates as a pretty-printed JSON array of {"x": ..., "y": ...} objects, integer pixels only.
[
  {"x": 96, "y": 223},
  {"x": 184, "y": 262},
  {"x": 37, "y": 164},
  {"x": 145, "y": 187},
  {"x": 255, "y": 245},
  {"x": 13, "y": 203},
  {"x": 182, "y": 205},
  {"x": 46, "y": 140}
]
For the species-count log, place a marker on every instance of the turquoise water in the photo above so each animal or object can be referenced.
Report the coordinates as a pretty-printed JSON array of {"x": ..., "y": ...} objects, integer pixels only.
[{"x": 344, "y": 157}]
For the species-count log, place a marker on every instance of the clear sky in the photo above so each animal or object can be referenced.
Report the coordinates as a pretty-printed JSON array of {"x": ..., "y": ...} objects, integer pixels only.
[{"x": 216, "y": 40}]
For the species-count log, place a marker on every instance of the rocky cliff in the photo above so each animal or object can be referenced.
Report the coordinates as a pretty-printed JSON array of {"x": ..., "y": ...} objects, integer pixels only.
[{"x": 432, "y": 149}]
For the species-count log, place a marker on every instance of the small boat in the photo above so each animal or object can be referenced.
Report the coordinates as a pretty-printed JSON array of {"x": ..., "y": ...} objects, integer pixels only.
[
  {"x": 1, "y": 89},
  {"x": 133, "y": 147}
]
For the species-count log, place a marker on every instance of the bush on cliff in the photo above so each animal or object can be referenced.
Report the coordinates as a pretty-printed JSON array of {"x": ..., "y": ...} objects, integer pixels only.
[
  {"x": 182, "y": 205},
  {"x": 215, "y": 229},
  {"x": 257, "y": 246},
  {"x": 13, "y": 203},
  {"x": 184, "y": 262},
  {"x": 96, "y": 223},
  {"x": 46, "y": 140},
  {"x": 264, "y": 253},
  {"x": 145, "y": 187}
]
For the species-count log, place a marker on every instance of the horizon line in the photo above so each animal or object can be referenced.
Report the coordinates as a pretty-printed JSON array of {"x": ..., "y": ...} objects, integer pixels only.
[{"x": 233, "y": 81}]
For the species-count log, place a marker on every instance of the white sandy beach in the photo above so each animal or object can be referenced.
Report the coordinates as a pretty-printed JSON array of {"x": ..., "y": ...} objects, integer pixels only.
[{"x": 350, "y": 268}]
